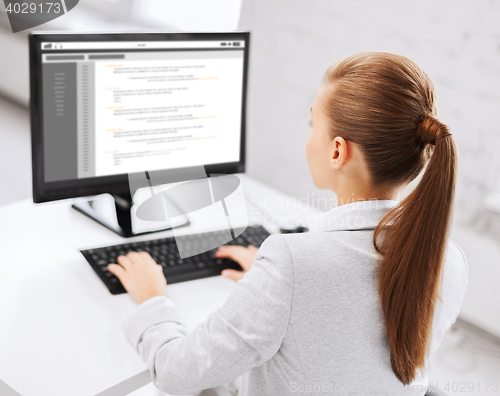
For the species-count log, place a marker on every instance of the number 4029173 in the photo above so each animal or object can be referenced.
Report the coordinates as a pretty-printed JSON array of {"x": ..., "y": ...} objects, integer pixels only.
[{"x": 33, "y": 8}]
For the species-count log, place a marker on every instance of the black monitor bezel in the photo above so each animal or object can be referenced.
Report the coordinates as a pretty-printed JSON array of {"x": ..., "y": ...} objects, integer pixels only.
[{"x": 116, "y": 184}]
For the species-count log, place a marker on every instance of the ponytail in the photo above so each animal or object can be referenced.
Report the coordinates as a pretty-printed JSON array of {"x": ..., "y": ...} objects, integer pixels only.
[
  {"x": 412, "y": 240},
  {"x": 385, "y": 104}
]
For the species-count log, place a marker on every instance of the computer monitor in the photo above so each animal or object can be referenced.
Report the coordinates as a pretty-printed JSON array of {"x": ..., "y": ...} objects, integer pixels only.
[{"x": 111, "y": 105}]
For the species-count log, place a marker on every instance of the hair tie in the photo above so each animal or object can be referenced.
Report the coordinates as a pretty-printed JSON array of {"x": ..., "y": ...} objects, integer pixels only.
[{"x": 447, "y": 134}]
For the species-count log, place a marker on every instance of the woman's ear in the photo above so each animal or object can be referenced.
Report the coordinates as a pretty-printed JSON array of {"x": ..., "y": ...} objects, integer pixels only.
[{"x": 339, "y": 152}]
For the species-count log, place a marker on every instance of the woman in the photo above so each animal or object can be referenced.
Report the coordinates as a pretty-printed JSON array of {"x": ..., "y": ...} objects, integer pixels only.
[{"x": 356, "y": 306}]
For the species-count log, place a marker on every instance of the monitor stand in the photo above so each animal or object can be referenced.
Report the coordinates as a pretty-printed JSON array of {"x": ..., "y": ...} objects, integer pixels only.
[{"x": 123, "y": 224}]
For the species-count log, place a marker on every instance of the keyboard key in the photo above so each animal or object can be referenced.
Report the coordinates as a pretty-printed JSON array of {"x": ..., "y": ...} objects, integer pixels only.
[{"x": 179, "y": 269}]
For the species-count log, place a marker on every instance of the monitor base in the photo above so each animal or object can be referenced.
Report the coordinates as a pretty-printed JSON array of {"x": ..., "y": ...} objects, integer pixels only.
[{"x": 123, "y": 224}]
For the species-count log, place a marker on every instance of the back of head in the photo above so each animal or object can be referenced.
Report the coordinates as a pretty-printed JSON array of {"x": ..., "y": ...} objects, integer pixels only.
[{"x": 385, "y": 104}]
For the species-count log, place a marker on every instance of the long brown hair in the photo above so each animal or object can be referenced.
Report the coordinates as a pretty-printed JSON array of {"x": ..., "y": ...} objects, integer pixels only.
[{"x": 384, "y": 103}]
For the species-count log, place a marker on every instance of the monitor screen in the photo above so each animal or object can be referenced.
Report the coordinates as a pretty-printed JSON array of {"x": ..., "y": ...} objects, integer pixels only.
[{"x": 109, "y": 105}]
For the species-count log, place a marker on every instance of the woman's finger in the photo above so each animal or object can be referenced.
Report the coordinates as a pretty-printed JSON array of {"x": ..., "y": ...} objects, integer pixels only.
[
  {"x": 147, "y": 257},
  {"x": 233, "y": 274},
  {"x": 231, "y": 251},
  {"x": 242, "y": 255},
  {"x": 124, "y": 261},
  {"x": 135, "y": 257},
  {"x": 116, "y": 270}
]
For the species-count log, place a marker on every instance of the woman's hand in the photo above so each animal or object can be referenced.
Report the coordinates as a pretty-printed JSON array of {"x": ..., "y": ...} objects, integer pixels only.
[
  {"x": 139, "y": 275},
  {"x": 244, "y": 256}
]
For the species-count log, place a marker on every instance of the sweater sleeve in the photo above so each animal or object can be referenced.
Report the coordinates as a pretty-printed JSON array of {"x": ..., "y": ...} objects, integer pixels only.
[{"x": 244, "y": 333}]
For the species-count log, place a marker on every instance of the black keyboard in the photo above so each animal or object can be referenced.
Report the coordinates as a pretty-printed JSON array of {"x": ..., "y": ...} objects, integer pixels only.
[{"x": 164, "y": 252}]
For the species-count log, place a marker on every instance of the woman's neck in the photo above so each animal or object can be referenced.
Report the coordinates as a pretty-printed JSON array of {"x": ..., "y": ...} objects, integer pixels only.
[{"x": 357, "y": 195}]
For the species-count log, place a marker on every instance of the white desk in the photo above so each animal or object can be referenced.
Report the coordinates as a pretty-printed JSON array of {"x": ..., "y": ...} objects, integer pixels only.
[{"x": 60, "y": 327}]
